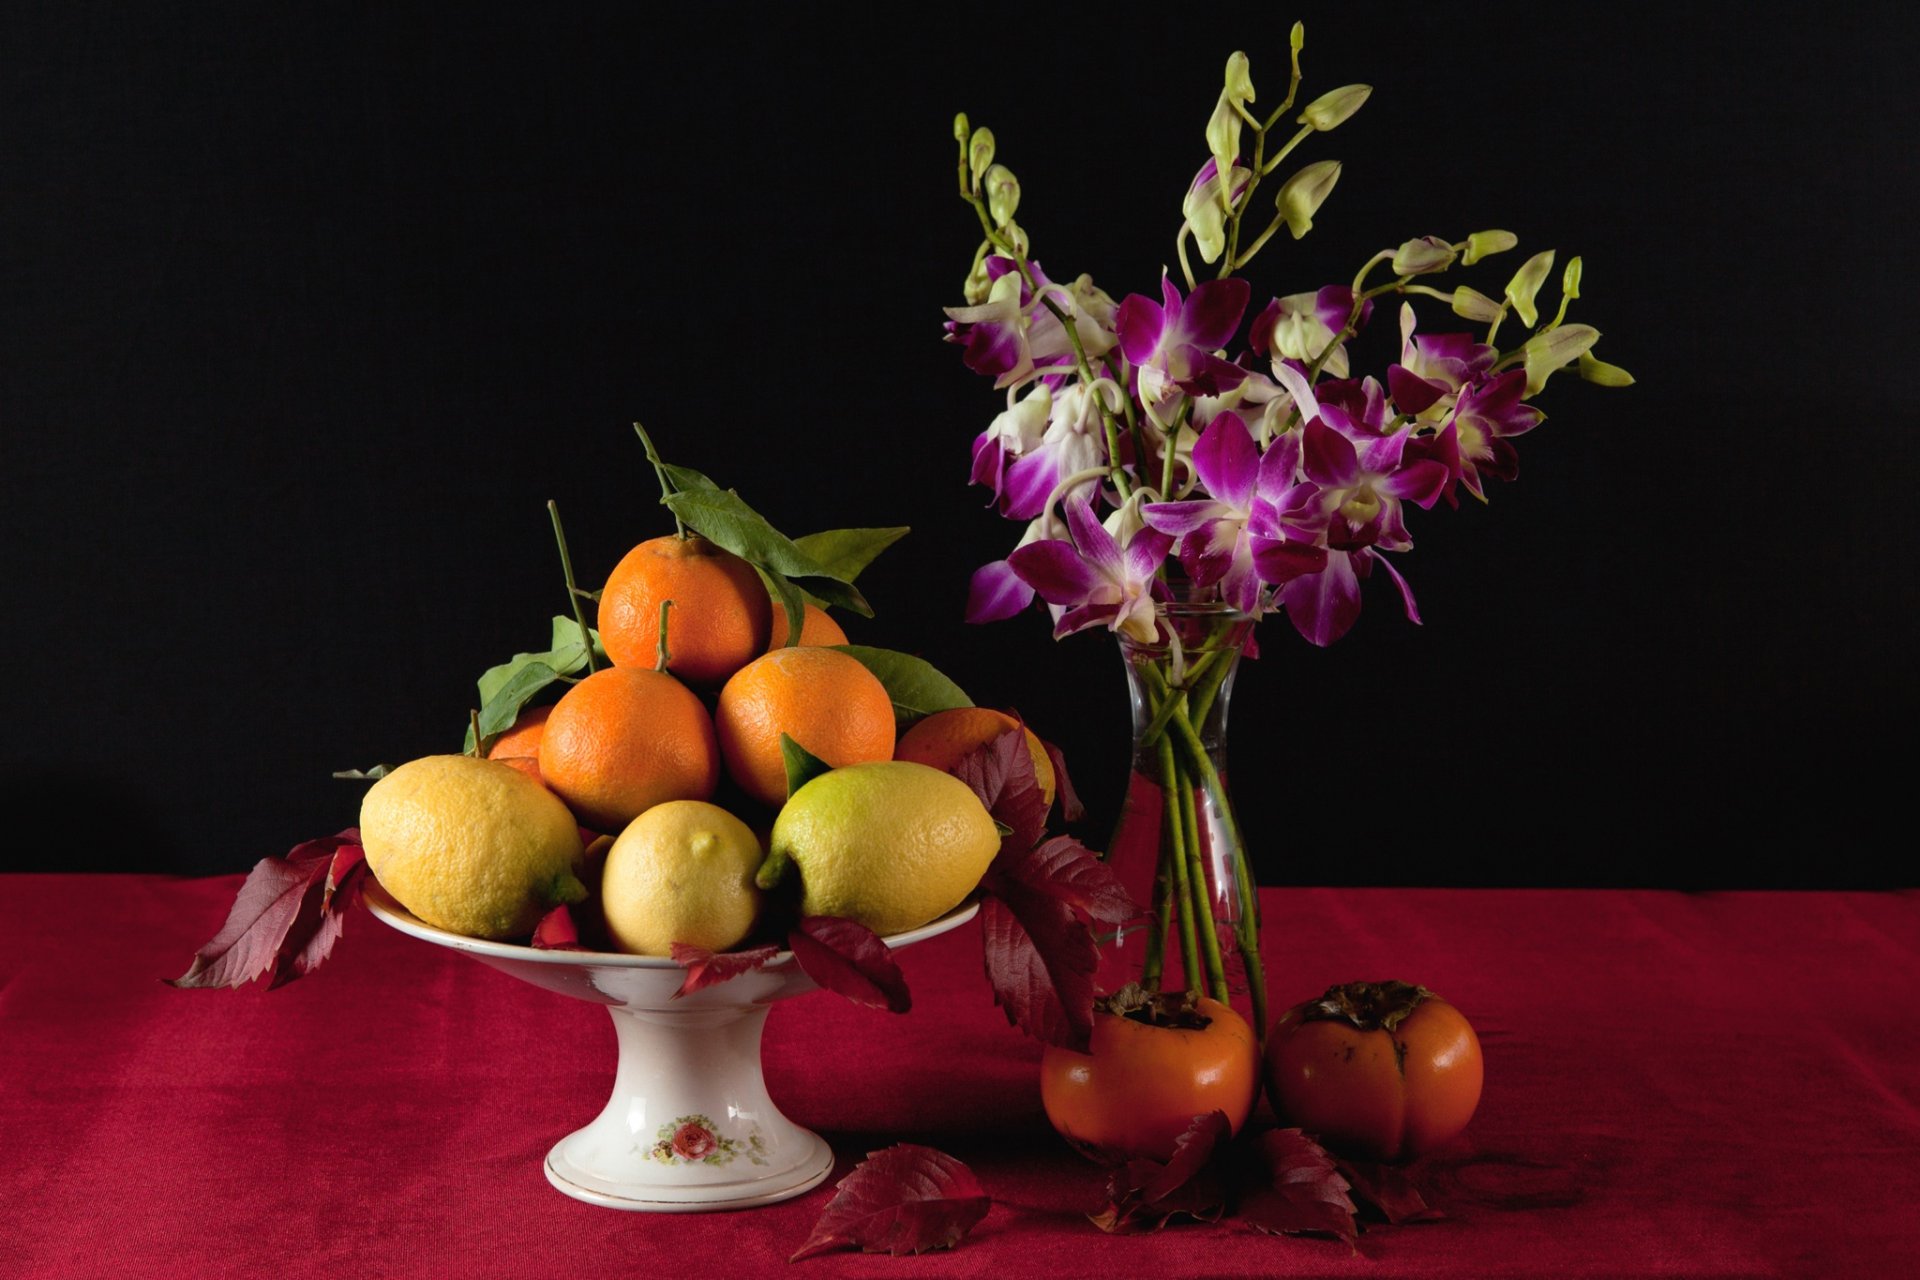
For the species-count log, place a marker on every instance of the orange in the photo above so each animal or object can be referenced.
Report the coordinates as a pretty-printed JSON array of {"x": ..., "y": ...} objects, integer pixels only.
[
  {"x": 625, "y": 739},
  {"x": 816, "y": 628},
  {"x": 519, "y": 746},
  {"x": 721, "y": 615},
  {"x": 945, "y": 736},
  {"x": 821, "y": 698}
]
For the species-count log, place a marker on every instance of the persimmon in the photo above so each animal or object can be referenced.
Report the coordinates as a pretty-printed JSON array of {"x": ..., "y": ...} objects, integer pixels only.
[
  {"x": 1154, "y": 1063},
  {"x": 1384, "y": 1070}
]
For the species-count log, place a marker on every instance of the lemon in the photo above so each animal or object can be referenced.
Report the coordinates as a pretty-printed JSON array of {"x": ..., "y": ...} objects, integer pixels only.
[
  {"x": 681, "y": 872},
  {"x": 471, "y": 846},
  {"x": 891, "y": 844}
]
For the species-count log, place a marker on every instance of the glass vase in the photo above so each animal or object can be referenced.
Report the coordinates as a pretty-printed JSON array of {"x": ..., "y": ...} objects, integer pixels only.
[{"x": 1178, "y": 846}]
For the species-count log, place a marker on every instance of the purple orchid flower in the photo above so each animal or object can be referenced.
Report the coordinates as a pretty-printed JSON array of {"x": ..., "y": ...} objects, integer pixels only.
[
  {"x": 1094, "y": 577},
  {"x": 1171, "y": 343},
  {"x": 1215, "y": 535},
  {"x": 1324, "y": 606},
  {"x": 1025, "y": 472},
  {"x": 995, "y": 591},
  {"x": 1488, "y": 415},
  {"x": 1010, "y": 336},
  {"x": 1300, "y": 325},
  {"x": 1435, "y": 366}
]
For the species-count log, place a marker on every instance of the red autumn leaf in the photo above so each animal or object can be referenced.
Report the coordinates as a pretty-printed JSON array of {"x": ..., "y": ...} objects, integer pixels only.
[
  {"x": 906, "y": 1199},
  {"x": 1001, "y": 774},
  {"x": 1070, "y": 807},
  {"x": 1143, "y": 1194},
  {"x": 1389, "y": 1189},
  {"x": 706, "y": 968},
  {"x": 848, "y": 959},
  {"x": 557, "y": 932},
  {"x": 1290, "y": 1185},
  {"x": 1068, "y": 871},
  {"x": 1040, "y": 959},
  {"x": 286, "y": 917}
]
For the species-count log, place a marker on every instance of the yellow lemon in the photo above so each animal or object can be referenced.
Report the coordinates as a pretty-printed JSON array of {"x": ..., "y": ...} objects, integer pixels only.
[
  {"x": 681, "y": 872},
  {"x": 471, "y": 846},
  {"x": 890, "y": 843}
]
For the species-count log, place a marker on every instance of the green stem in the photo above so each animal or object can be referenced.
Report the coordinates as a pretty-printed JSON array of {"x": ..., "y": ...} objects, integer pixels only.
[
  {"x": 1175, "y": 844},
  {"x": 1248, "y": 935},
  {"x": 1202, "y": 888},
  {"x": 660, "y": 472},
  {"x": 661, "y": 655},
  {"x": 1160, "y": 920},
  {"x": 566, "y": 568}
]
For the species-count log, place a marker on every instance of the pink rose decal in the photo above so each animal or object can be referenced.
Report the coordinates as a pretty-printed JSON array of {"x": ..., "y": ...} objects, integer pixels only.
[{"x": 692, "y": 1142}]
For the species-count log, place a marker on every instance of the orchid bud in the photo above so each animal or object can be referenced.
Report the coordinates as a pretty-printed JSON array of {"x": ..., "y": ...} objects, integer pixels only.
[
  {"x": 1474, "y": 305},
  {"x": 1554, "y": 349},
  {"x": 1602, "y": 373},
  {"x": 1302, "y": 194},
  {"x": 1297, "y": 38},
  {"x": 980, "y": 152},
  {"x": 1334, "y": 108},
  {"x": 1016, "y": 238},
  {"x": 1003, "y": 194},
  {"x": 1570, "y": 278},
  {"x": 1526, "y": 283},
  {"x": 979, "y": 284},
  {"x": 960, "y": 129},
  {"x": 1484, "y": 244},
  {"x": 1223, "y": 129},
  {"x": 1422, "y": 255}
]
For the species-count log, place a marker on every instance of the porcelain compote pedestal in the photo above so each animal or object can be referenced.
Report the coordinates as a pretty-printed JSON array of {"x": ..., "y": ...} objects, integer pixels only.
[{"x": 689, "y": 1126}]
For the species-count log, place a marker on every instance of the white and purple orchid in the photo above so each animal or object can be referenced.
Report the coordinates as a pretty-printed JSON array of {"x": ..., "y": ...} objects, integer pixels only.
[{"x": 1269, "y": 472}]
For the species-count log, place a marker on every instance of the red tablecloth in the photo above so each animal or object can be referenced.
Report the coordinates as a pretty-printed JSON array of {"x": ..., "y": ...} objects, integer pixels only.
[{"x": 1723, "y": 1085}]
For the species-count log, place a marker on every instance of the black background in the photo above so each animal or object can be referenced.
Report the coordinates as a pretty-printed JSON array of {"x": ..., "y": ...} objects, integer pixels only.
[{"x": 309, "y": 310}]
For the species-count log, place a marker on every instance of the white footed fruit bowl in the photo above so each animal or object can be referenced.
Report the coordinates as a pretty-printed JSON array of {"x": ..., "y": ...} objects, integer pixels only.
[{"x": 689, "y": 1126}]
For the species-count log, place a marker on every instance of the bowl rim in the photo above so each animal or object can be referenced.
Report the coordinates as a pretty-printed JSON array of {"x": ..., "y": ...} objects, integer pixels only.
[{"x": 389, "y": 910}]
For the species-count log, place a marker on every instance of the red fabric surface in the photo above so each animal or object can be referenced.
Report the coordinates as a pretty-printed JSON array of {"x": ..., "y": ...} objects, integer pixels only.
[{"x": 1717, "y": 1085}]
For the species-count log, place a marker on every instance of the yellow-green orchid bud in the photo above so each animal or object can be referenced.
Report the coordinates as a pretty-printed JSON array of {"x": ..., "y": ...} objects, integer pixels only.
[
  {"x": 1554, "y": 349},
  {"x": 1223, "y": 129},
  {"x": 1526, "y": 283},
  {"x": 1484, "y": 244},
  {"x": 980, "y": 152},
  {"x": 1475, "y": 306},
  {"x": 1334, "y": 108},
  {"x": 979, "y": 284},
  {"x": 1602, "y": 373},
  {"x": 1302, "y": 194},
  {"x": 1016, "y": 236},
  {"x": 960, "y": 130},
  {"x": 1297, "y": 38},
  {"x": 1422, "y": 255},
  {"x": 1003, "y": 194},
  {"x": 1570, "y": 278}
]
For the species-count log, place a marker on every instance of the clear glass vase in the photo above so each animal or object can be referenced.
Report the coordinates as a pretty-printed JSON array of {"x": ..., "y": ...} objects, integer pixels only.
[{"x": 1178, "y": 846}]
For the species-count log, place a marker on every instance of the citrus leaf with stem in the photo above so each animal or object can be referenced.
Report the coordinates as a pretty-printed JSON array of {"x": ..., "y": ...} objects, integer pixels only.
[
  {"x": 724, "y": 518},
  {"x": 916, "y": 687},
  {"x": 802, "y": 765},
  {"x": 843, "y": 553}
]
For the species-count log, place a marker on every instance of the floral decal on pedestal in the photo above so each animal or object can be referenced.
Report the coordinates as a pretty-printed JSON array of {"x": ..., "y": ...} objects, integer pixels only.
[{"x": 696, "y": 1140}]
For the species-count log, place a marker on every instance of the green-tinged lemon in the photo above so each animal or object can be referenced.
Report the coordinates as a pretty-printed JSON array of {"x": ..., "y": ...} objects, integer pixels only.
[
  {"x": 891, "y": 844},
  {"x": 681, "y": 872},
  {"x": 471, "y": 846}
]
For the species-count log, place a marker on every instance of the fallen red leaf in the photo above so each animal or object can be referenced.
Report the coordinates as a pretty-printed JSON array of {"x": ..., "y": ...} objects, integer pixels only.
[
  {"x": 906, "y": 1199},
  {"x": 1388, "y": 1188},
  {"x": 848, "y": 959},
  {"x": 1142, "y": 1195},
  {"x": 1290, "y": 1185},
  {"x": 706, "y": 968},
  {"x": 557, "y": 932},
  {"x": 285, "y": 919}
]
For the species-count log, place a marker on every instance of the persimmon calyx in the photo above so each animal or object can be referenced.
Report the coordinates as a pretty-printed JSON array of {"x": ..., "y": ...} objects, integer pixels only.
[
  {"x": 1368, "y": 1006},
  {"x": 1178, "y": 1009}
]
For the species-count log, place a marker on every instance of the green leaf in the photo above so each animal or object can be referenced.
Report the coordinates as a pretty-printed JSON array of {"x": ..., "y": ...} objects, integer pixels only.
[
  {"x": 678, "y": 477},
  {"x": 843, "y": 553},
  {"x": 723, "y": 518},
  {"x": 503, "y": 708},
  {"x": 789, "y": 597},
  {"x": 915, "y": 686},
  {"x": 802, "y": 765},
  {"x": 566, "y": 655}
]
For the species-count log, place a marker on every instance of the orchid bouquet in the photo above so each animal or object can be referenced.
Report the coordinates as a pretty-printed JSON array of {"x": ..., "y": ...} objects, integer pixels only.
[{"x": 1152, "y": 463}]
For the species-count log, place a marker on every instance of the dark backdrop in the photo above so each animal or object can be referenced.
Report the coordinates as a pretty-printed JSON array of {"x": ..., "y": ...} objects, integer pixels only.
[{"x": 309, "y": 310}]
